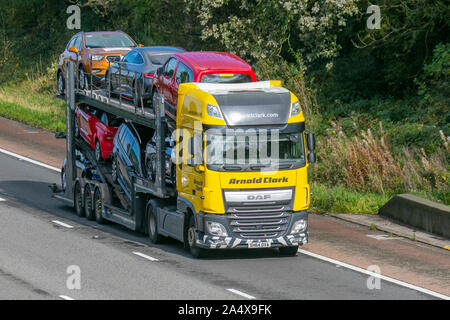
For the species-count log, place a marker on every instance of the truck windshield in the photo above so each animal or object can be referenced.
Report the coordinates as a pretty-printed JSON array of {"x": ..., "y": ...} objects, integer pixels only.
[
  {"x": 254, "y": 148},
  {"x": 108, "y": 40}
]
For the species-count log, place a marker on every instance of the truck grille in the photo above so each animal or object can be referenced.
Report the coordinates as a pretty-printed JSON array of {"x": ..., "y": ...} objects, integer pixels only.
[{"x": 259, "y": 224}]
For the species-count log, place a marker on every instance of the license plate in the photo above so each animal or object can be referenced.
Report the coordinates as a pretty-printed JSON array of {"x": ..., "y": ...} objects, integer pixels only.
[{"x": 259, "y": 244}]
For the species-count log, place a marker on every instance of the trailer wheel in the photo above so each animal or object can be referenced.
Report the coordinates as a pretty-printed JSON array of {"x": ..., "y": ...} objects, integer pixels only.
[
  {"x": 88, "y": 203},
  {"x": 82, "y": 79},
  {"x": 98, "y": 206},
  {"x": 78, "y": 200},
  {"x": 288, "y": 251},
  {"x": 152, "y": 224},
  {"x": 196, "y": 252}
]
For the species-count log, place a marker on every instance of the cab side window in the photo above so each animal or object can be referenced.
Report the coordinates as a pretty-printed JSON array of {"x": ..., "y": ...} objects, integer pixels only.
[
  {"x": 169, "y": 68},
  {"x": 184, "y": 74}
]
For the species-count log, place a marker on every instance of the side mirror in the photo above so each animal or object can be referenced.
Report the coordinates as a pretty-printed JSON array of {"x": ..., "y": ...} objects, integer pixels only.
[
  {"x": 73, "y": 49},
  {"x": 311, "y": 157},
  {"x": 311, "y": 141},
  {"x": 199, "y": 168},
  {"x": 159, "y": 70},
  {"x": 140, "y": 45}
]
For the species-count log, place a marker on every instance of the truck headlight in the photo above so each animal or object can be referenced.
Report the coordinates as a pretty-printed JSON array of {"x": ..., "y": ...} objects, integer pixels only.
[
  {"x": 96, "y": 57},
  {"x": 216, "y": 229},
  {"x": 295, "y": 108},
  {"x": 299, "y": 226},
  {"x": 214, "y": 111}
]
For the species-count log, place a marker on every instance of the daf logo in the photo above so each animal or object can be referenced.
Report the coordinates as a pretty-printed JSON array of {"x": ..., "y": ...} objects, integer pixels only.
[{"x": 258, "y": 197}]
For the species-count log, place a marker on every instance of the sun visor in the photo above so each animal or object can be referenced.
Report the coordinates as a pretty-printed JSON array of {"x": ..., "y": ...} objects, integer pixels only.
[{"x": 255, "y": 107}]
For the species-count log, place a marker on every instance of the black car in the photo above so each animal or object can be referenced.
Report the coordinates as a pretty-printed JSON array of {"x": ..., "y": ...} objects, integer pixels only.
[
  {"x": 132, "y": 76},
  {"x": 131, "y": 158}
]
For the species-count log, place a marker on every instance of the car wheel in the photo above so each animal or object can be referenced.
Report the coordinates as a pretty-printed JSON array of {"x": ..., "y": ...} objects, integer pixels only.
[
  {"x": 82, "y": 79},
  {"x": 78, "y": 200},
  {"x": 98, "y": 206},
  {"x": 108, "y": 84},
  {"x": 98, "y": 151},
  {"x": 61, "y": 83},
  {"x": 114, "y": 169},
  {"x": 196, "y": 252},
  {"x": 77, "y": 128},
  {"x": 152, "y": 224},
  {"x": 154, "y": 93},
  {"x": 288, "y": 251},
  {"x": 150, "y": 168}
]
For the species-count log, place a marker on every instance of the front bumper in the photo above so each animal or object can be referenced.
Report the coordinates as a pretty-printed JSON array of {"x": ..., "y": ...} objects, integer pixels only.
[
  {"x": 214, "y": 242},
  {"x": 232, "y": 241}
]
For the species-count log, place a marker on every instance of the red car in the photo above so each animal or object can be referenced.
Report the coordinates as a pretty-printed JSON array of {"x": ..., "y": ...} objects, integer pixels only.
[
  {"x": 98, "y": 128},
  {"x": 201, "y": 66}
]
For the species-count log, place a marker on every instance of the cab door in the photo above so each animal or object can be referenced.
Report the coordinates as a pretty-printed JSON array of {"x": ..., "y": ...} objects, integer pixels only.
[{"x": 191, "y": 176}]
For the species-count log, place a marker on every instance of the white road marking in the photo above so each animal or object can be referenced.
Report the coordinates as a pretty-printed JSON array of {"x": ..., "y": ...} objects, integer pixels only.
[
  {"x": 376, "y": 275},
  {"x": 66, "y": 297},
  {"x": 243, "y": 294},
  {"x": 18, "y": 156},
  {"x": 1, "y": 199},
  {"x": 382, "y": 237},
  {"x": 145, "y": 256},
  {"x": 65, "y": 225}
]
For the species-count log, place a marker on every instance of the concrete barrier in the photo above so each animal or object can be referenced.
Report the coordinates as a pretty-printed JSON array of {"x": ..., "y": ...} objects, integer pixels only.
[{"x": 419, "y": 213}]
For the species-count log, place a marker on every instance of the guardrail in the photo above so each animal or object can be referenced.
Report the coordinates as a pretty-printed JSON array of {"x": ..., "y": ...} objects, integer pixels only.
[{"x": 420, "y": 213}]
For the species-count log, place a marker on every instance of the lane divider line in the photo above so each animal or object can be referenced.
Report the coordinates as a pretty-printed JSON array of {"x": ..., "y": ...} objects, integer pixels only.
[
  {"x": 65, "y": 225},
  {"x": 66, "y": 297},
  {"x": 243, "y": 294},
  {"x": 145, "y": 256},
  {"x": 376, "y": 275},
  {"x": 1, "y": 199},
  {"x": 18, "y": 156}
]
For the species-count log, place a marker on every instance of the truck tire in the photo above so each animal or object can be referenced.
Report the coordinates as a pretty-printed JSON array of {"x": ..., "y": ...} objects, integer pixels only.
[
  {"x": 78, "y": 200},
  {"x": 152, "y": 224},
  {"x": 98, "y": 206},
  {"x": 196, "y": 252},
  {"x": 88, "y": 203},
  {"x": 288, "y": 251}
]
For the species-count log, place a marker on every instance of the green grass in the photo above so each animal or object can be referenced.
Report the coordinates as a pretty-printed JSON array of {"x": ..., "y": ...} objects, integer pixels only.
[
  {"x": 342, "y": 200},
  {"x": 26, "y": 104}
]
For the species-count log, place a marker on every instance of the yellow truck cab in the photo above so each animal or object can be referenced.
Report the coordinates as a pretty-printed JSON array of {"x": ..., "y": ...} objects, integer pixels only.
[{"x": 241, "y": 157}]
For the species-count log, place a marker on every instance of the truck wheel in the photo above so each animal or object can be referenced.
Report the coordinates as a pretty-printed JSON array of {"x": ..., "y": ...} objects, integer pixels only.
[
  {"x": 154, "y": 93},
  {"x": 82, "y": 79},
  {"x": 196, "y": 252},
  {"x": 288, "y": 251},
  {"x": 98, "y": 206},
  {"x": 152, "y": 224},
  {"x": 88, "y": 203},
  {"x": 78, "y": 200}
]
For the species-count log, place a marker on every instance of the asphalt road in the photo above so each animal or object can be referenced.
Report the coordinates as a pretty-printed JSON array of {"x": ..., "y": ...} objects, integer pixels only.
[{"x": 36, "y": 252}]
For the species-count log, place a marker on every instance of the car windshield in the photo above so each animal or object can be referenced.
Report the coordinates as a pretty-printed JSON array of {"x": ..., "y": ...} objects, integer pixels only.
[
  {"x": 158, "y": 59},
  {"x": 267, "y": 147},
  {"x": 108, "y": 40},
  {"x": 226, "y": 78}
]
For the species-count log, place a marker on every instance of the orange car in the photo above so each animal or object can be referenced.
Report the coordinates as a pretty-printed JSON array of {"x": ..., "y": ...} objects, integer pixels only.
[{"x": 102, "y": 48}]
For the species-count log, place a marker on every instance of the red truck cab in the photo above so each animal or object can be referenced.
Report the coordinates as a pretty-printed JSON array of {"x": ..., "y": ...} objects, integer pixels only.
[{"x": 200, "y": 66}]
